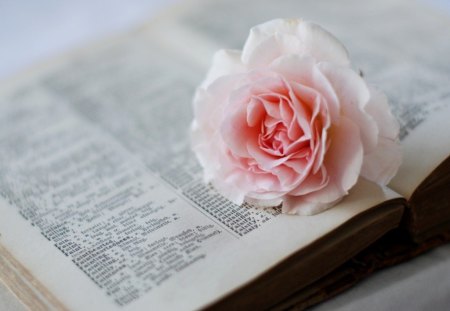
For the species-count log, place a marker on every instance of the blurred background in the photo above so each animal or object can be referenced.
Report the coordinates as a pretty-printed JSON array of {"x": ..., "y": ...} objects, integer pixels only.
[{"x": 32, "y": 31}]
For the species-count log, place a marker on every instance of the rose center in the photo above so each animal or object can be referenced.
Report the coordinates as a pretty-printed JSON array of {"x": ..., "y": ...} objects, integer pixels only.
[{"x": 274, "y": 139}]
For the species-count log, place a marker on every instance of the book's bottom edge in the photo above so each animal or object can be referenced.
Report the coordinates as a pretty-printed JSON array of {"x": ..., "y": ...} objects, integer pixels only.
[
  {"x": 308, "y": 265},
  {"x": 392, "y": 249},
  {"x": 28, "y": 290}
]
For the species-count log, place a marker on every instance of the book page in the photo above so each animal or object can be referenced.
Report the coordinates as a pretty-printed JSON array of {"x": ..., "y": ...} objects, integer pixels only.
[
  {"x": 402, "y": 47},
  {"x": 102, "y": 199}
]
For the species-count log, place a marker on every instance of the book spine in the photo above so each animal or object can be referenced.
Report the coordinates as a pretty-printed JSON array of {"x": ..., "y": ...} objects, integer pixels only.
[{"x": 428, "y": 214}]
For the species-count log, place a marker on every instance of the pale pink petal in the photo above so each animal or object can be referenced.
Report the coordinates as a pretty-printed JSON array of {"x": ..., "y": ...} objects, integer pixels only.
[
  {"x": 312, "y": 183},
  {"x": 264, "y": 31},
  {"x": 229, "y": 188},
  {"x": 294, "y": 130},
  {"x": 381, "y": 165},
  {"x": 264, "y": 200},
  {"x": 379, "y": 110},
  {"x": 264, "y": 186},
  {"x": 271, "y": 105},
  {"x": 299, "y": 206},
  {"x": 210, "y": 103},
  {"x": 302, "y": 167},
  {"x": 202, "y": 144},
  {"x": 322, "y": 145},
  {"x": 265, "y": 183},
  {"x": 302, "y": 111},
  {"x": 320, "y": 123},
  {"x": 343, "y": 163},
  {"x": 354, "y": 96},
  {"x": 205, "y": 138},
  {"x": 307, "y": 80},
  {"x": 322, "y": 45},
  {"x": 267, "y": 82},
  {"x": 286, "y": 112},
  {"x": 255, "y": 112},
  {"x": 283, "y": 139},
  {"x": 301, "y": 97},
  {"x": 225, "y": 62},
  {"x": 300, "y": 147},
  {"x": 299, "y": 165},
  {"x": 265, "y": 160},
  {"x": 236, "y": 133},
  {"x": 270, "y": 122},
  {"x": 286, "y": 175},
  {"x": 271, "y": 48},
  {"x": 312, "y": 40}
]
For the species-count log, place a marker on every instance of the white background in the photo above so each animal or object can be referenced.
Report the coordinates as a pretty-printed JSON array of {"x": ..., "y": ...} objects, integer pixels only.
[{"x": 33, "y": 31}]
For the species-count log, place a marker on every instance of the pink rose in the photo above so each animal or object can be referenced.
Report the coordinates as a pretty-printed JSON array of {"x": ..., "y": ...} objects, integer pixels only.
[{"x": 288, "y": 121}]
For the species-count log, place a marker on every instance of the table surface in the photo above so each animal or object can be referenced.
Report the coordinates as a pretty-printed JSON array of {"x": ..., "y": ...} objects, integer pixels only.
[{"x": 57, "y": 26}]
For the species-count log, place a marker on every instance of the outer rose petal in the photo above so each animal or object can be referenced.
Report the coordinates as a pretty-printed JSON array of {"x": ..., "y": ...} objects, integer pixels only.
[
  {"x": 353, "y": 95},
  {"x": 224, "y": 62},
  {"x": 382, "y": 164},
  {"x": 209, "y": 102},
  {"x": 209, "y": 105},
  {"x": 271, "y": 48},
  {"x": 304, "y": 71},
  {"x": 343, "y": 163},
  {"x": 299, "y": 206},
  {"x": 378, "y": 108},
  {"x": 313, "y": 40}
]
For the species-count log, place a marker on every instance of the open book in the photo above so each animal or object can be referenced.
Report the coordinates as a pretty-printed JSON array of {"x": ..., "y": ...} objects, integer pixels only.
[{"x": 102, "y": 206}]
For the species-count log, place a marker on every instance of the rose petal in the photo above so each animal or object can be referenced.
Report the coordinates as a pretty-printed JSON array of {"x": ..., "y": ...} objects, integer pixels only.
[
  {"x": 322, "y": 45},
  {"x": 229, "y": 188},
  {"x": 353, "y": 95},
  {"x": 294, "y": 130},
  {"x": 225, "y": 62},
  {"x": 286, "y": 175},
  {"x": 379, "y": 110},
  {"x": 299, "y": 206},
  {"x": 307, "y": 81},
  {"x": 255, "y": 112},
  {"x": 271, "y": 105},
  {"x": 312, "y": 183},
  {"x": 291, "y": 36},
  {"x": 381, "y": 165},
  {"x": 299, "y": 165},
  {"x": 271, "y": 48},
  {"x": 270, "y": 122},
  {"x": 299, "y": 147},
  {"x": 264, "y": 201},
  {"x": 286, "y": 112},
  {"x": 343, "y": 163},
  {"x": 236, "y": 133},
  {"x": 265, "y": 160}
]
